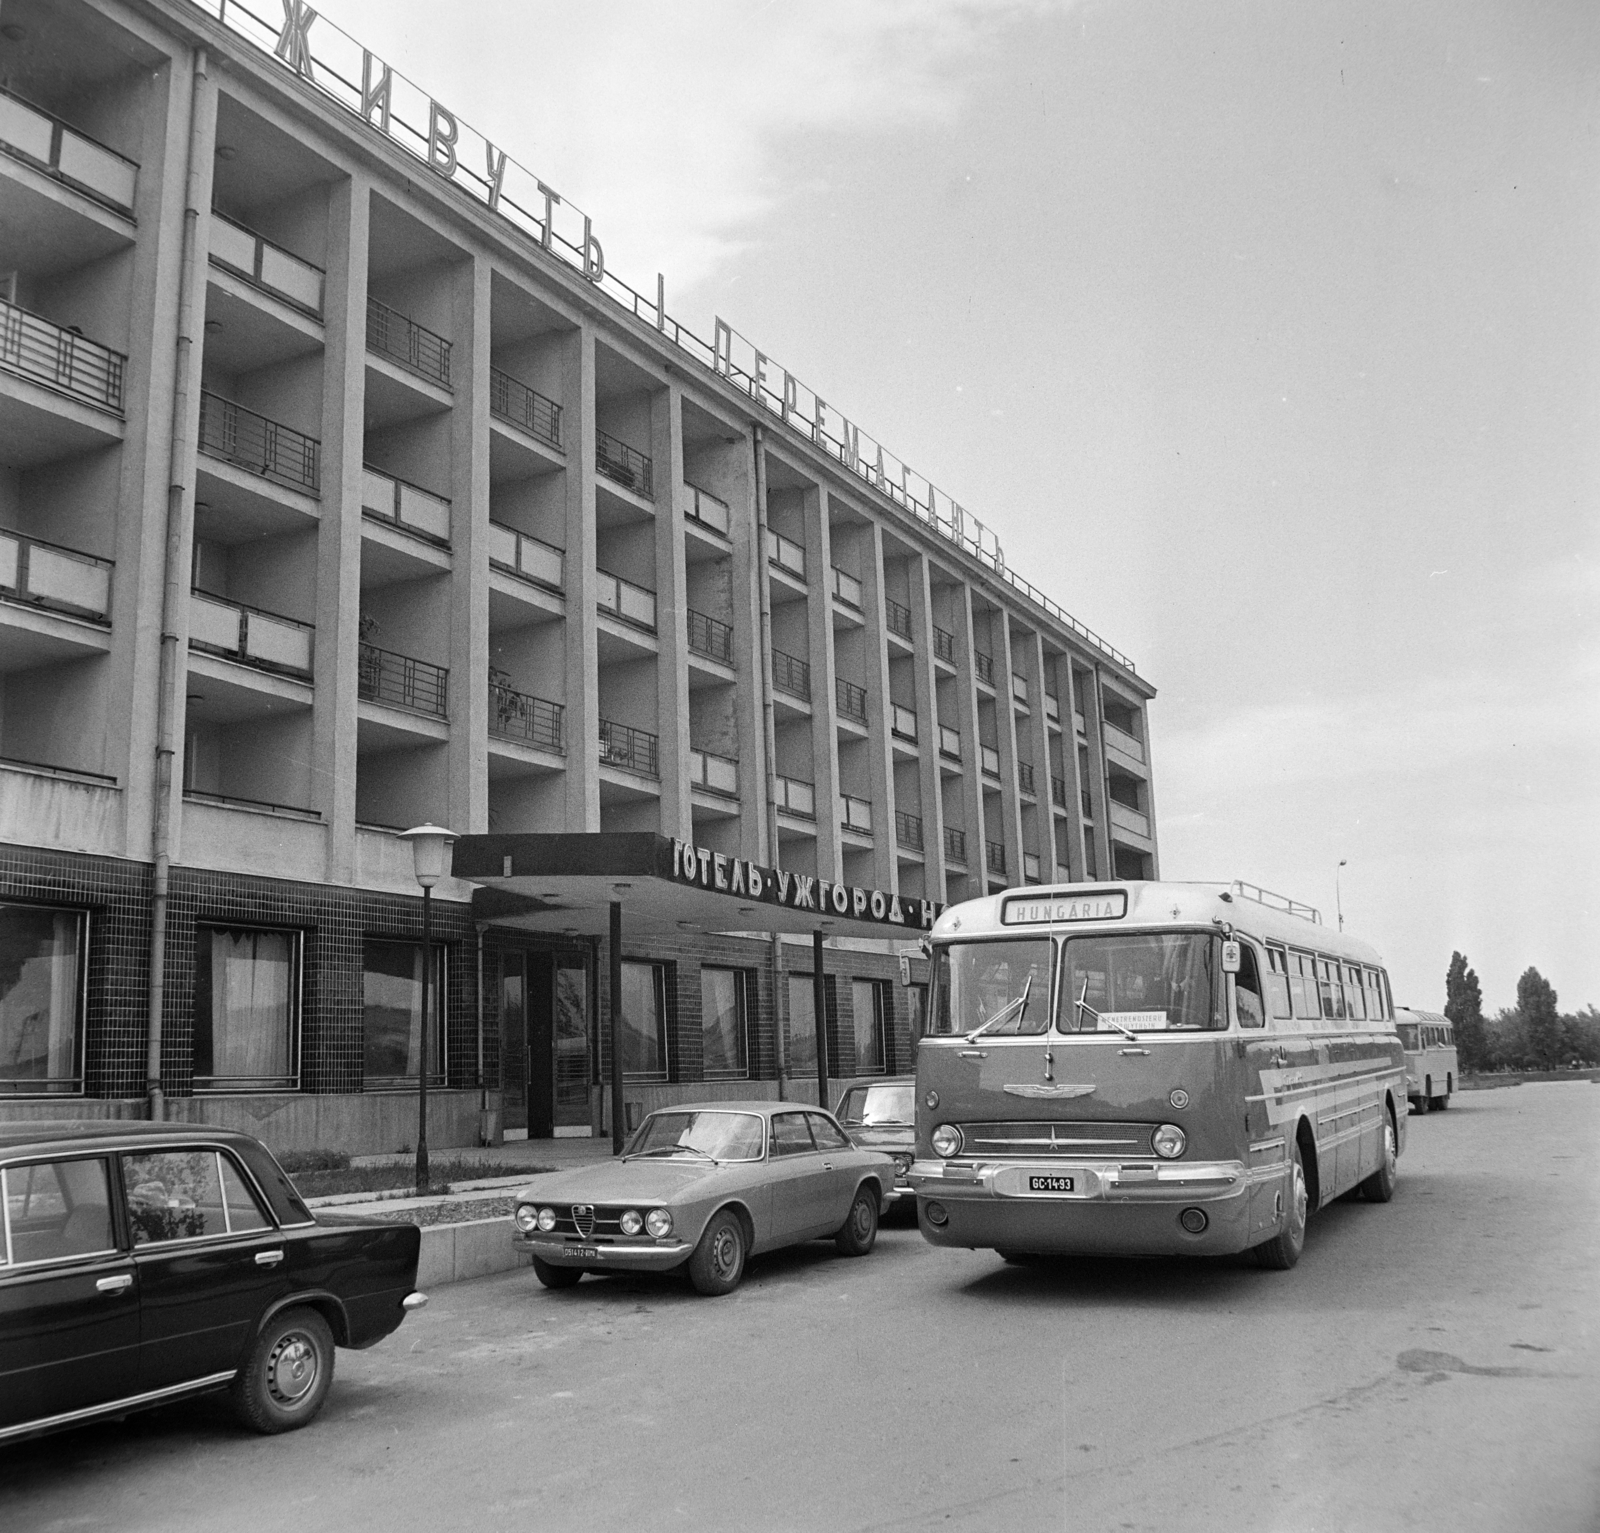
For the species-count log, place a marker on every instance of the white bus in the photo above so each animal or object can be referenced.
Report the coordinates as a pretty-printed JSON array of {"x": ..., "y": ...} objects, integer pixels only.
[{"x": 1430, "y": 1044}]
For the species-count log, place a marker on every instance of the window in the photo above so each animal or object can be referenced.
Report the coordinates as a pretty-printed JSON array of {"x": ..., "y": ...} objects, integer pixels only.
[
  {"x": 867, "y": 1000},
  {"x": 983, "y": 983},
  {"x": 1247, "y": 989},
  {"x": 1278, "y": 983},
  {"x": 1332, "y": 990},
  {"x": 723, "y": 1020},
  {"x": 41, "y": 1000},
  {"x": 1303, "y": 987},
  {"x": 1354, "y": 997},
  {"x": 56, "y": 1209},
  {"x": 790, "y": 1136},
  {"x": 391, "y": 995},
  {"x": 1140, "y": 983},
  {"x": 644, "y": 1021},
  {"x": 246, "y": 1005},
  {"x": 826, "y": 1134},
  {"x": 917, "y": 1002},
  {"x": 187, "y": 1195},
  {"x": 802, "y": 1026}
]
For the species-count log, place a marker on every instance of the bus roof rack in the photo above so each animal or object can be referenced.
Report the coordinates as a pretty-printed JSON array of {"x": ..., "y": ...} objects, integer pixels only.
[{"x": 1278, "y": 901}]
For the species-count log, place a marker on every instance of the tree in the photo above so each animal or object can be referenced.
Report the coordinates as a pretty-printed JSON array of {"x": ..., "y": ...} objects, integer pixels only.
[
  {"x": 1464, "y": 1007},
  {"x": 1536, "y": 1002}
]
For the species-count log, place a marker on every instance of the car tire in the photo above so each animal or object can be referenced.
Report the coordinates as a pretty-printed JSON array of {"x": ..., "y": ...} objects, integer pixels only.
[
  {"x": 1281, "y": 1252},
  {"x": 1379, "y": 1187},
  {"x": 717, "y": 1264},
  {"x": 288, "y": 1374},
  {"x": 555, "y": 1277},
  {"x": 859, "y": 1232}
]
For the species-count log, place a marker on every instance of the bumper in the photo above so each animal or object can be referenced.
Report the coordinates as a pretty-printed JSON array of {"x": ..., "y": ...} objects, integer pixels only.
[
  {"x": 636, "y": 1256},
  {"x": 1112, "y": 1210}
]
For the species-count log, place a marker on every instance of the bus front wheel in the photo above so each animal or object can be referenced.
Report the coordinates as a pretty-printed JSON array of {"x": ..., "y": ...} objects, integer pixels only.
[
  {"x": 1379, "y": 1187},
  {"x": 1281, "y": 1252}
]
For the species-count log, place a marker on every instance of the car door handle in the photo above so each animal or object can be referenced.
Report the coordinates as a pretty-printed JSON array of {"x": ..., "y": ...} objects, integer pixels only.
[
  {"x": 115, "y": 1284},
  {"x": 268, "y": 1258},
  {"x": 827, "y": 1165}
]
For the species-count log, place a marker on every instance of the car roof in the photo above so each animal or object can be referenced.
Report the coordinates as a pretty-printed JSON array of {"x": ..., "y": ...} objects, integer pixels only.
[
  {"x": 763, "y": 1106},
  {"x": 878, "y": 1080},
  {"x": 108, "y": 1133}
]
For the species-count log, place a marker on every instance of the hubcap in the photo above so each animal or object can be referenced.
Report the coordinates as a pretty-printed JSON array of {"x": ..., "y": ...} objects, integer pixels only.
[
  {"x": 1390, "y": 1155},
  {"x": 292, "y": 1369},
  {"x": 1301, "y": 1200},
  {"x": 725, "y": 1253},
  {"x": 863, "y": 1221}
]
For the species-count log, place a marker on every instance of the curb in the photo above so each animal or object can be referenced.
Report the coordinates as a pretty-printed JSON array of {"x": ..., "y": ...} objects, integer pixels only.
[{"x": 452, "y": 1253}]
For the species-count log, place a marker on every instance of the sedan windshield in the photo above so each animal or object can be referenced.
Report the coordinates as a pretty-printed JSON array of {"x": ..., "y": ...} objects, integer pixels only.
[
  {"x": 698, "y": 1135},
  {"x": 878, "y": 1106},
  {"x": 1132, "y": 983}
]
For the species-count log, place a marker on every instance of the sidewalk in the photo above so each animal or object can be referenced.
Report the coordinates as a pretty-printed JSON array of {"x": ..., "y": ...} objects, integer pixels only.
[{"x": 561, "y": 1154}]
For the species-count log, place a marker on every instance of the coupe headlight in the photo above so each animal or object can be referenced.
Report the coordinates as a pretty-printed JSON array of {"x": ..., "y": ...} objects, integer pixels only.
[
  {"x": 658, "y": 1222},
  {"x": 1169, "y": 1141},
  {"x": 947, "y": 1140},
  {"x": 631, "y": 1222},
  {"x": 547, "y": 1219},
  {"x": 526, "y": 1216}
]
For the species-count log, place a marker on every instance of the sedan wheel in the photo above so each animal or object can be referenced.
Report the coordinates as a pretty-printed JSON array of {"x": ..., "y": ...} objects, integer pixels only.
[
  {"x": 859, "y": 1232},
  {"x": 718, "y": 1261},
  {"x": 287, "y": 1376}
]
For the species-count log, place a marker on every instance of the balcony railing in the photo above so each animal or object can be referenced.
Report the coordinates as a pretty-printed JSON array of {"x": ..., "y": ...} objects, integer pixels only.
[
  {"x": 714, "y": 773},
  {"x": 385, "y": 677},
  {"x": 955, "y": 844},
  {"x": 710, "y": 638},
  {"x": 846, "y": 587},
  {"x": 247, "y": 634},
  {"x": 60, "y": 358},
  {"x": 703, "y": 507},
  {"x": 414, "y": 510},
  {"x": 531, "y": 720},
  {"x": 1052, "y": 707},
  {"x": 1058, "y": 790},
  {"x": 513, "y": 401},
  {"x": 58, "y": 578},
  {"x": 1120, "y": 740},
  {"x": 250, "y": 441},
  {"x": 795, "y": 797},
  {"x": 989, "y": 760},
  {"x": 45, "y": 142},
  {"x": 1019, "y": 689},
  {"x": 402, "y": 340},
  {"x": 623, "y": 465},
  {"x": 791, "y": 675},
  {"x": 994, "y": 857},
  {"x": 1131, "y": 820},
  {"x": 897, "y": 618},
  {"x": 634, "y": 750},
  {"x": 623, "y": 599},
  {"x": 852, "y": 699},
  {"x": 1030, "y": 867},
  {"x": 855, "y": 814},
  {"x": 265, "y": 265},
  {"x": 908, "y": 830},
  {"x": 944, "y": 646},
  {"x": 788, "y": 555},
  {"x": 903, "y": 722},
  {"x": 1025, "y": 776},
  {"x": 950, "y": 742},
  {"x": 518, "y": 554},
  {"x": 984, "y": 665}
]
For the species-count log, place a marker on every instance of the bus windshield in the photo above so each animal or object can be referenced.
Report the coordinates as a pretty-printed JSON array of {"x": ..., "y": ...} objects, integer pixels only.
[
  {"x": 1409, "y": 1038},
  {"x": 983, "y": 984},
  {"x": 1131, "y": 982}
]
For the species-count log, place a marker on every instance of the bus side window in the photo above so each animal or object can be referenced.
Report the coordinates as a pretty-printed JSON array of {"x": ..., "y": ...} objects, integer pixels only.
[
  {"x": 1247, "y": 989},
  {"x": 1332, "y": 990},
  {"x": 1278, "y": 982},
  {"x": 1303, "y": 987},
  {"x": 1355, "y": 997}
]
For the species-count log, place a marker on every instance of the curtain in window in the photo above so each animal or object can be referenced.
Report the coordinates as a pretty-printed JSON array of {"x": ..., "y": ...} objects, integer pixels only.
[
  {"x": 722, "y": 1021},
  {"x": 864, "y": 999},
  {"x": 39, "y": 998},
  {"x": 802, "y": 1026},
  {"x": 391, "y": 994},
  {"x": 244, "y": 1007},
  {"x": 644, "y": 1028}
]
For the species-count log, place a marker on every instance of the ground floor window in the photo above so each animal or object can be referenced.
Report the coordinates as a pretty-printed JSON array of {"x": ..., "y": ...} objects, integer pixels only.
[
  {"x": 802, "y": 1026},
  {"x": 246, "y": 1008},
  {"x": 391, "y": 994},
  {"x": 724, "y": 1021},
  {"x": 869, "y": 1002},
  {"x": 644, "y": 1021},
  {"x": 41, "y": 999}
]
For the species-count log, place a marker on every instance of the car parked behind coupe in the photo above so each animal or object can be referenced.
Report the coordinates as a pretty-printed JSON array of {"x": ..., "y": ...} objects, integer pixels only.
[
  {"x": 880, "y": 1113},
  {"x": 702, "y": 1187}
]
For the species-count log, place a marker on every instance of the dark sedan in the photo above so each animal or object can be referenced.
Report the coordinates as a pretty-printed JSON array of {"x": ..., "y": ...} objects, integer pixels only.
[
  {"x": 145, "y": 1262},
  {"x": 880, "y": 1113}
]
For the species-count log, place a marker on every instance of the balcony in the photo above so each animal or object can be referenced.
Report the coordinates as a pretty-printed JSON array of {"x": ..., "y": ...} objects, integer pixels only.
[
  {"x": 527, "y": 558},
  {"x": 788, "y": 555},
  {"x": 896, "y": 618},
  {"x": 1019, "y": 689},
  {"x": 1058, "y": 791},
  {"x": 903, "y": 722},
  {"x": 791, "y": 796},
  {"x": 1130, "y": 820},
  {"x": 994, "y": 857},
  {"x": 60, "y": 579},
  {"x": 61, "y": 152},
  {"x": 417, "y": 511},
  {"x": 984, "y": 665},
  {"x": 404, "y": 342},
  {"x": 515, "y": 403},
  {"x": 955, "y": 844},
  {"x": 703, "y": 507},
  {"x": 846, "y": 587},
  {"x": 989, "y": 760},
  {"x": 908, "y": 830},
  {"x": 249, "y": 635},
  {"x": 1030, "y": 867},
  {"x": 624, "y": 465},
  {"x": 634, "y": 750},
  {"x": 1025, "y": 777},
  {"x": 949, "y": 742},
  {"x": 1052, "y": 708},
  {"x": 60, "y": 358},
  {"x": 260, "y": 446},
  {"x": 525, "y": 719},
  {"x": 710, "y": 638},
  {"x": 714, "y": 773},
  {"x": 791, "y": 675},
  {"x": 944, "y": 646},
  {"x": 855, "y": 814},
  {"x": 1120, "y": 740},
  {"x": 852, "y": 700},
  {"x": 256, "y": 260},
  {"x": 624, "y": 600},
  {"x": 402, "y": 682}
]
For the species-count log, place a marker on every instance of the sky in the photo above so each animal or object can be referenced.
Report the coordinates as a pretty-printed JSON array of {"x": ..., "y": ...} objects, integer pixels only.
[{"x": 1265, "y": 336}]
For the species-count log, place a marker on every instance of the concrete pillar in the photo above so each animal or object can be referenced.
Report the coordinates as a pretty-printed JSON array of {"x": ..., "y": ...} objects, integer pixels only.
[
  {"x": 824, "y": 702},
  {"x": 880, "y": 744},
  {"x": 926, "y": 680},
  {"x": 583, "y": 675},
  {"x": 672, "y": 585}
]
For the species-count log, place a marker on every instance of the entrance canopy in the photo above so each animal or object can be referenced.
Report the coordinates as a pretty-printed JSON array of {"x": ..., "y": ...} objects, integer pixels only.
[{"x": 567, "y": 884}]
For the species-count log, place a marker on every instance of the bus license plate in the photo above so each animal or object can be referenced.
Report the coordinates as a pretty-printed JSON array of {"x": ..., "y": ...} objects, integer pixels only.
[
  {"x": 583, "y": 1253},
  {"x": 1049, "y": 1184}
]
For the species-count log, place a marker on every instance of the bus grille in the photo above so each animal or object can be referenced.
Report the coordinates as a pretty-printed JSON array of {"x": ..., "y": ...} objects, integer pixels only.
[{"x": 1050, "y": 1138}]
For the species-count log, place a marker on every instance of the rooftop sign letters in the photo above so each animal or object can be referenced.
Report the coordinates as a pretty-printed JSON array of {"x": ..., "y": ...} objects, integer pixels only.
[{"x": 1079, "y": 907}]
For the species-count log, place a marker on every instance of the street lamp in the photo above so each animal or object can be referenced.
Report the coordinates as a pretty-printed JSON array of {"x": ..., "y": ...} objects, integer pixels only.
[
  {"x": 430, "y": 861},
  {"x": 1338, "y": 903}
]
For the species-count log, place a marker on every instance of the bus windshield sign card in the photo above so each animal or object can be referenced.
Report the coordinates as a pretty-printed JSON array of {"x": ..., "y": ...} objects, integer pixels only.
[{"x": 1023, "y": 911}]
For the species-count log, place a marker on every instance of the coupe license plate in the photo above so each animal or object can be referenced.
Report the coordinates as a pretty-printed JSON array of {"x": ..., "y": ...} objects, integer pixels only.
[
  {"x": 583, "y": 1253},
  {"x": 1049, "y": 1184}
]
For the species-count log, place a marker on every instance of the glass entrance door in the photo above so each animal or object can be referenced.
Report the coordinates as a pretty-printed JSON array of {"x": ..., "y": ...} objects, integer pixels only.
[
  {"x": 570, "y": 1006},
  {"x": 513, "y": 1041}
]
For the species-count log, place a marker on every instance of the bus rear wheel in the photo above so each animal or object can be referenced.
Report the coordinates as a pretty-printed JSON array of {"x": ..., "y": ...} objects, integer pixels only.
[{"x": 1281, "y": 1252}]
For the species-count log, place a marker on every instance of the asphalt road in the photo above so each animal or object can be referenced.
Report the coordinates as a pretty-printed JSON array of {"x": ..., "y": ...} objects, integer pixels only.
[{"x": 1431, "y": 1363}]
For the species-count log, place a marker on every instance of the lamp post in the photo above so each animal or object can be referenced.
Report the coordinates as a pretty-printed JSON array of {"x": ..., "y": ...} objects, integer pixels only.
[
  {"x": 1338, "y": 902},
  {"x": 430, "y": 854}
]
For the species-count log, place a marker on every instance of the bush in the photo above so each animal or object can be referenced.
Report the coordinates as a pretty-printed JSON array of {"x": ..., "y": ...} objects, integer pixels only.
[{"x": 314, "y": 1160}]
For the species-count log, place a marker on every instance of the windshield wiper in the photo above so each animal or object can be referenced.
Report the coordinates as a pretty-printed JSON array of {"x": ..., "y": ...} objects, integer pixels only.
[
  {"x": 1100, "y": 1017},
  {"x": 671, "y": 1149},
  {"x": 1004, "y": 1014}
]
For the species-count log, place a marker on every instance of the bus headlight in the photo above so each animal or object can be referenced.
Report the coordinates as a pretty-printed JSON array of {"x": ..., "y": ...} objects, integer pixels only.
[
  {"x": 947, "y": 1140},
  {"x": 658, "y": 1222},
  {"x": 631, "y": 1222},
  {"x": 1169, "y": 1141}
]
